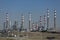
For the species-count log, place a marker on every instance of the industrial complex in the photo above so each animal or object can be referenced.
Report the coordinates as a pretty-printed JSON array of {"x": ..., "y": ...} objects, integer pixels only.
[{"x": 36, "y": 31}]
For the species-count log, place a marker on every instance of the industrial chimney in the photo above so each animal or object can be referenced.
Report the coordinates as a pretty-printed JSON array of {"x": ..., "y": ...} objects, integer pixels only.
[
  {"x": 7, "y": 22},
  {"x": 45, "y": 22},
  {"x": 22, "y": 22},
  {"x": 29, "y": 21},
  {"x": 54, "y": 19},
  {"x": 48, "y": 18},
  {"x": 41, "y": 23}
]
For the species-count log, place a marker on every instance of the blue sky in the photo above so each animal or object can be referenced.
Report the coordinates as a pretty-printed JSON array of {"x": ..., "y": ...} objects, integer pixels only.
[{"x": 37, "y": 8}]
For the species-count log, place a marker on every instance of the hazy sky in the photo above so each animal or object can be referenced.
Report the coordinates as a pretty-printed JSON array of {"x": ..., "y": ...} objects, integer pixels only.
[{"x": 37, "y": 8}]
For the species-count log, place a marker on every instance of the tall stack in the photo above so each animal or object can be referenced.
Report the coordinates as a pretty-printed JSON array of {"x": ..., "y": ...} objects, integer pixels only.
[
  {"x": 40, "y": 22},
  {"x": 29, "y": 21},
  {"x": 10, "y": 24},
  {"x": 7, "y": 22},
  {"x": 15, "y": 26},
  {"x": 4, "y": 25},
  {"x": 36, "y": 26},
  {"x": 33, "y": 26},
  {"x": 55, "y": 20},
  {"x": 44, "y": 21},
  {"x": 47, "y": 18},
  {"x": 22, "y": 22}
]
